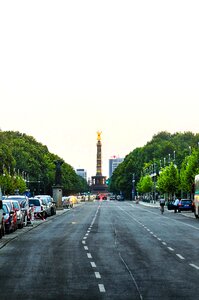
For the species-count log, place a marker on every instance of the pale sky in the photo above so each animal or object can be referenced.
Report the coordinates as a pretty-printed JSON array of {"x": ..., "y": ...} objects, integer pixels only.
[{"x": 70, "y": 68}]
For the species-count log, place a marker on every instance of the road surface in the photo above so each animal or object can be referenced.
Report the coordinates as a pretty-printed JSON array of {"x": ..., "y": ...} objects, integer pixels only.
[{"x": 104, "y": 250}]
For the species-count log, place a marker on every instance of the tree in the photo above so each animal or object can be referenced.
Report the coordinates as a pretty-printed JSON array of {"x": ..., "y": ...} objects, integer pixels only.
[
  {"x": 145, "y": 185},
  {"x": 168, "y": 180}
]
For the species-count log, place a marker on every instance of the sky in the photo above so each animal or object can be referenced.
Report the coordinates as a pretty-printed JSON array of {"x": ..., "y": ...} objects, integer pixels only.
[{"x": 70, "y": 68}]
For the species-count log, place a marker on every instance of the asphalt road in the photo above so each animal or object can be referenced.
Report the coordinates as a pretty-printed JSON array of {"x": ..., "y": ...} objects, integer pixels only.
[{"x": 103, "y": 250}]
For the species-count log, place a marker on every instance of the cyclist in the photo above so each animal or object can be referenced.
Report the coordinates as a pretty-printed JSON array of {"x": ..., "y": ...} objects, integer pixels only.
[{"x": 162, "y": 204}]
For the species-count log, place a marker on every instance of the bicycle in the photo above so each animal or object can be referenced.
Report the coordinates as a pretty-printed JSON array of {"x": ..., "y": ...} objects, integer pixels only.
[{"x": 162, "y": 209}]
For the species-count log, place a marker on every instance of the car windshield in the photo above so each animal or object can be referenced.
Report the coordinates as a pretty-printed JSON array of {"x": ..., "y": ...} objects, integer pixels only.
[
  {"x": 35, "y": 202},
  {"x": 5, "y": 208},
  {"x": 16, "y": 204}
]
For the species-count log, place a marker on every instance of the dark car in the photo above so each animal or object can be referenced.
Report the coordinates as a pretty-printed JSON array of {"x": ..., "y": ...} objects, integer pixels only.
[{"x": 184, "y": 205}]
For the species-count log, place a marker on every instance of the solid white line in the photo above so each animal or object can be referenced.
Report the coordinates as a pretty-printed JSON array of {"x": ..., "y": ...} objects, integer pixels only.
[
  {"x": 97, "y": 275},
  {"x": 170, "y": 248},
  {"x": 89, "y": 255},
  {"x": 194, "y": 266},
  {"x": 85, "y": 247},
  {"x": 93, "y": 264},
  {"x": 101, "y": 288},
  {"x": 180, "y": 256}
]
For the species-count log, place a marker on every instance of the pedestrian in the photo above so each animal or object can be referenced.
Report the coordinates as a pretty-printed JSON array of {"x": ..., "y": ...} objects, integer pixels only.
[
  {"x": 162, "y": 204},
  {"x": 176, "y": 205}
]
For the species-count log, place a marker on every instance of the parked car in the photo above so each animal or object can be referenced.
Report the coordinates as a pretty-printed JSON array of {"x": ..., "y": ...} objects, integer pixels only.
[
  {"x": 185, "y": 205},
  {"x": 2, "y": 224},
  {"x": 49, "y": 203},
  {"x": 38, "y": 208},
  {"x": 10, "y": 219},
  {"x": 17, "y": 209},
  {"x": 25, "y": 207}
]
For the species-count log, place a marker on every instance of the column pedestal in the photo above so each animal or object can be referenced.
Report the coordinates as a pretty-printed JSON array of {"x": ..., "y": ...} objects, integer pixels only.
[{"x": 57, "y": 196}]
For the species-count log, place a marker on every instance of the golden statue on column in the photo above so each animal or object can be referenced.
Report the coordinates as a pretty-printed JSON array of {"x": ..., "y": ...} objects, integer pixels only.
[{"x": 99, "y": 135}]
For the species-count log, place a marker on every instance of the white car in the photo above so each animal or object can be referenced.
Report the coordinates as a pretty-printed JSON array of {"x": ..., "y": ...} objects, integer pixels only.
[{"x": 38, "y": 208}]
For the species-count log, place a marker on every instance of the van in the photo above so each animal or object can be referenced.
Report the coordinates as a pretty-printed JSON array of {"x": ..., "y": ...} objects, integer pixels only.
[{"x": 196, "y": 197}]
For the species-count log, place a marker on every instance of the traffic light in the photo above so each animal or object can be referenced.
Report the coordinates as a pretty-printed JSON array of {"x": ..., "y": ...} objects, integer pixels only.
[{"x": 108, "y": 181}]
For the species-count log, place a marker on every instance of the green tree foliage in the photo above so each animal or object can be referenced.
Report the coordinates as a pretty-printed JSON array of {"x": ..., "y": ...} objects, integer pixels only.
[
  {"x": 30, "y": 165},
  {"x": 145, "y": 185},
  {"x": 190, "y": 167},
  {"x": 163, "y": 149},
  {"x": 168, "y": 180}
]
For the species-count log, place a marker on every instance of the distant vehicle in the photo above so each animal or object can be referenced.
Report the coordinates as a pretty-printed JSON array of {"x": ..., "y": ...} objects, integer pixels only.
[
  {"x": 196, "y": 197},
  {"x": 112, "y": 197},
  {"x": 120, "y": 197}
]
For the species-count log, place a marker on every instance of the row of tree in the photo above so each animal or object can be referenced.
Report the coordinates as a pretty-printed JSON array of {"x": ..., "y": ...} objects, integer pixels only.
[
  {"x": 165, "y": 165},
  {"x": 26, "y": 165}
]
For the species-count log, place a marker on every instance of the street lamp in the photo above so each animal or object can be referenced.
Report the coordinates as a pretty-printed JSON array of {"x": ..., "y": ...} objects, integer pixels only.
[
  {"x": 189, "y": 150},
  {"x": 133, "y": 187}
]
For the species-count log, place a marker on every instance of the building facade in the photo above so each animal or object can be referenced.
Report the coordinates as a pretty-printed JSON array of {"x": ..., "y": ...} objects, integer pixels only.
[
  {"x": 113, "y": 164},
  {"x": 82, "y": 173}
]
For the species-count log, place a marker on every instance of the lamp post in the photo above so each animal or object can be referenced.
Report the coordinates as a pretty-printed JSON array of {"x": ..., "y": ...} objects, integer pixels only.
[
  {"x": 133, "y": 187},
  {"x": 189, "y": 150}
]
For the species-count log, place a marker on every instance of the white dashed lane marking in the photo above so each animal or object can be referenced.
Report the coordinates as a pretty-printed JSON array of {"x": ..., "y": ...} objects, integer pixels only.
[
  {"x": 85, "y": 247},
  {"x": 180, "y": 256},
  {"x": 89, "y": 255},
  {"x": 171, "y": 249},
  {"x": 93, "y": 264},
  {"x": 97, "y": 275},
  {"x": 194, "y": 266},
  {"x": 101, "y": 288}
]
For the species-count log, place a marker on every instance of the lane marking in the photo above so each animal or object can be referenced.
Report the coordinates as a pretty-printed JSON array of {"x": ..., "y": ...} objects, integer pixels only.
[
  {"x": 97, "y": 275},
  {"x": 83, "y": 242},
  {"x": 171, "y": 249},
  {"x": 163, "y": 243},
  {"x": 180, "y": 256},
  {"x": 85, "y": 237},
  {"x": 89, "y": 255},
  {"x": 101, "y": 288},
  {"x": 93, "y": 264},
  {"x": 194, "y": 266},
  {"x": 85, "y": 247}
]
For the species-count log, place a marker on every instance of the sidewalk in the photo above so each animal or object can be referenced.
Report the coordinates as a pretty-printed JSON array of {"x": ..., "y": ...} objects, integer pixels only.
[{"x": 151, "y": 203}]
